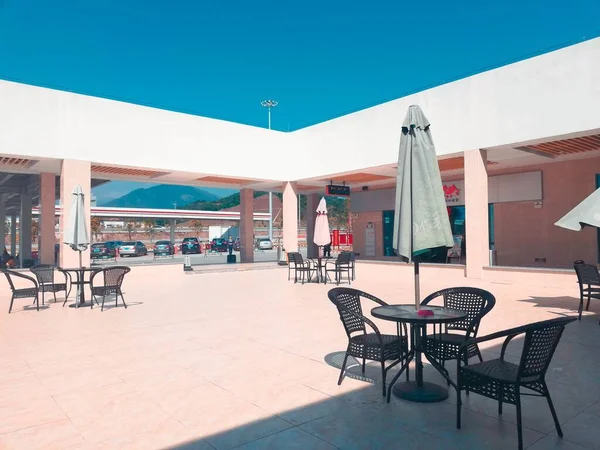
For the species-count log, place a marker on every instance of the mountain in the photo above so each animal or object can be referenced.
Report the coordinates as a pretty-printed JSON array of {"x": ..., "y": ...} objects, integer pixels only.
[
  {"x": 218, "y": 204},
  {"x": 162, "y": 196},
  {"x": 113, "y": 190}
]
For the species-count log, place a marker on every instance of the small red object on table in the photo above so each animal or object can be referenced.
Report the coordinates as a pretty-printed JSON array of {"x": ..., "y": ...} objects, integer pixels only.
[{"x": 425, "y": 312}]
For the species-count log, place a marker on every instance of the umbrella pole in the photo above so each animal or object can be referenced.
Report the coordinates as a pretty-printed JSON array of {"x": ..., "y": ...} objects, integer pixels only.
[{"x": 417, "y": 286}]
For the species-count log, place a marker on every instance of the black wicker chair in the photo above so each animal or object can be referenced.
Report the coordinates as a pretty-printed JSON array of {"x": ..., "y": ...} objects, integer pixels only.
[
  {"x": 26, "y": 292},
  {"x": 588, "y": 278},
  {"x": 339, "y": 266},
  {"x": 372, "y": 346},
  {"x": 352, "y": 263},
  {"x": 45, "y": 278},
  {"x": 443, "y": 345},
  {"x": 301, "y": 266},
  {"x": 501, "y": 380},
  {"x": 111, "y": 284}
]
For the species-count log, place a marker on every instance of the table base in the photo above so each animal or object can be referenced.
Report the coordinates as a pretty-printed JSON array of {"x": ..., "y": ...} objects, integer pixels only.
[
  {"x": 80, "y": 305},
  {"x": 428, "y": 393}
]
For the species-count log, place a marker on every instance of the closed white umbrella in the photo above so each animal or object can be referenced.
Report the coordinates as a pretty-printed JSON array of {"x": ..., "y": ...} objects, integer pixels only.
[
  {"x": 421, "y": 219},
  {"x": 322, "y": 235},
  {"x": 76, "y": 234}
]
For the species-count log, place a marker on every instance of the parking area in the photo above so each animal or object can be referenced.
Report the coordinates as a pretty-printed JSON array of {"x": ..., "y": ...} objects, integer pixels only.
[{"x": 199, "y": 259}]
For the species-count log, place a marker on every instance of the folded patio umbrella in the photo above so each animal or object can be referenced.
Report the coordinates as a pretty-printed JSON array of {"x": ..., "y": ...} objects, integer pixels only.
[
  {"x": 586, "y": 214},
  {"x": 76, "y": 234},
  {"x": 322, "y": 235},
  {"x": 421, "y": 219}
]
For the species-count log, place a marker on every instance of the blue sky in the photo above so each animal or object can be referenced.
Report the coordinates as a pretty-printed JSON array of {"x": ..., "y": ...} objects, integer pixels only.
[{"x": 319, "y": 59}]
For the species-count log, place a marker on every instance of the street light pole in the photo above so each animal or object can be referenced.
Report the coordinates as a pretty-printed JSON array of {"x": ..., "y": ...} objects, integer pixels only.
[{"x": 270, "y": 104}]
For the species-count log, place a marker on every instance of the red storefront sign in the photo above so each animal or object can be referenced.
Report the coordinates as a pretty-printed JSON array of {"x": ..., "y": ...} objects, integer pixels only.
[{"x": 335, "y": 240}]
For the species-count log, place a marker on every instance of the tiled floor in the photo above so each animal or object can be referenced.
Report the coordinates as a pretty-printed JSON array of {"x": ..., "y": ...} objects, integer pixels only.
[{"x": 246, "y": 360}]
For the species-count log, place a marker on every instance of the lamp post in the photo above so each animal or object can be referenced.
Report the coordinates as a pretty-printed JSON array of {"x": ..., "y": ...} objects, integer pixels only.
[{"x": 270, "y": 104}]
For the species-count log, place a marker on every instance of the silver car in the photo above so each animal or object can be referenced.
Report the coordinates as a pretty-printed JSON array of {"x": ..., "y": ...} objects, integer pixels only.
[
  {"x": 133, "y": 249},
  {"x": 264, "y": 244}
]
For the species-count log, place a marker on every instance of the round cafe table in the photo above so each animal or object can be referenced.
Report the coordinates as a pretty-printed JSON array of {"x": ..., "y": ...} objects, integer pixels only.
[{"x": 418, "y": 390}]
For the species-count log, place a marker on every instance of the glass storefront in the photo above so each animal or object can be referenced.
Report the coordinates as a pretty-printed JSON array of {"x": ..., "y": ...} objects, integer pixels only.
[{"x": 457, "y": 217}]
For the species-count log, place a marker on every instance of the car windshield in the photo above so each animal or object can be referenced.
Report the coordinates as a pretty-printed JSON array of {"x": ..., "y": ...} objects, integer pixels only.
[
  {"x": 264, "y": 239},
  {"x": 97, "y": 245},
  {"x": 163, "y": 243},
  {"x": 190, "y": 240},
  {"x": 128, "y": 243}
]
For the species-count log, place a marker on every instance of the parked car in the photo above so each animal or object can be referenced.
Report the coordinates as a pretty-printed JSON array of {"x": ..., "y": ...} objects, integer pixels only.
[
  {"x": 103, "y": 250},
  {"x": 164, "y": 248},
  {"x": 133, "y": 249},
  {"x": 264, "y": 243},
  {"x": 218, "y": 245},
  {"x": 237, "y": 245},
  {"x": 190, "y": 245}
]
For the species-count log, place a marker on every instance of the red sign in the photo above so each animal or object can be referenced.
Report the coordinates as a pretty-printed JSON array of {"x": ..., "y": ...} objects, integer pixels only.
[
  {"x": 452, "y": 193},
  {"x": 335, "y": 241}
]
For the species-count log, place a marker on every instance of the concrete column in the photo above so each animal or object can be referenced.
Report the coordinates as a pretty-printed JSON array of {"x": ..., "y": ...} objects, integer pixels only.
[
  {"x": 74, "y": 173},
  {"x": 312, "y": 201},
  {"x": 25, "y": 227},
  {"x": 476, "y": 212},
  {"x": 172, "y": 224},
  {"x": 3, "y": 220},
  {"x": 13, "y": 234},
  {"x": 290, "y": 218},
  {"x": 47, "y": 218},
  {"x": 247, "y": 225}
]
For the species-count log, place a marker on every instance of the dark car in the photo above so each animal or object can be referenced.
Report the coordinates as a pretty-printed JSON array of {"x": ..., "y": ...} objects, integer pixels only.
[
  {"x": 237, "y": 245},
  {"x": 190, "y": 245},
  {"x": 218, "y": 245},
  {"x": 103, "y": 250},
  {"x": 164, "y": 248}
]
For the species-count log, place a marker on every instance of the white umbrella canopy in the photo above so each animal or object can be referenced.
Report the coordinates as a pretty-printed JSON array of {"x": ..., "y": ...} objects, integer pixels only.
[
  {"x": 586, "y": 214},
  {"x": 421, "y": 220},
  {"x": 76, "y": 234},
  {"x": 322, "y": 235}
]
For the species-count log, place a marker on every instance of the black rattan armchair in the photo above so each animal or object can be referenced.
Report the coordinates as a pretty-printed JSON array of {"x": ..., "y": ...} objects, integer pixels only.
[
  {"x": 45, "y": 278},
  {"x": 301, "y": 267},
  {"x": 501, "y": 380},
  {"x": 446, "y": 340},
  {"x": 588, "y": 278},
  {"x": 343, "y": 264},
  {"x": 26, "y": 292},
  {"x": 111, "y": 284},
  {"x": 372, "y": 346}
]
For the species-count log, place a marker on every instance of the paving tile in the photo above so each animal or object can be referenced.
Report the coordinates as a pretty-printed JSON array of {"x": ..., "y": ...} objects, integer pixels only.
[
  {"x": 583, "y": 430},
  {"x": 60, "y": 434},
  {"x": 292, "y": 439}
]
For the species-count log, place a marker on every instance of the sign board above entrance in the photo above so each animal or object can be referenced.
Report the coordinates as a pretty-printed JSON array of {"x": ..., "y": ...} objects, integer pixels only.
[
  {"x": 517, "y": 187},
  {"x": 337, "y": 191}
]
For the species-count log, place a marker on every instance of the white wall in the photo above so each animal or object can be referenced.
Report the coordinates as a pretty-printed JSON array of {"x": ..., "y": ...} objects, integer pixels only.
[
  {"x": 39, "y": 122},
  {"x": 552, "y": 94}
]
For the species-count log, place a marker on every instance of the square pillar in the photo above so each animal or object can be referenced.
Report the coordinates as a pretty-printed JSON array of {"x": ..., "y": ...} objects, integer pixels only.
[
  {"x": 13, "y": 234},
  {"x": 476, "y": 213},
  {"x": 74, "y": 173},
  {"x": 246, "y": 225},
  {"x": 47, "y": 218},
  {"x": 312, "y": 201},
  {"x": 25, "y": 227},
  {"x": 290, "y": 217}
]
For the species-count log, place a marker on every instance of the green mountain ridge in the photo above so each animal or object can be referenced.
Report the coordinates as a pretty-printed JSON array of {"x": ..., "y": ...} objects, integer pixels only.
[{"x": 162, "y": 196}]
